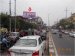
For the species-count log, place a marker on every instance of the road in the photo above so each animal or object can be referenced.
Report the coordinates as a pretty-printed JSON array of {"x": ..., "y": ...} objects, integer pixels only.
[
  {"x": 65, "y": 45},
  {"x": 46, "y": 52},
  {"x": 59, "y": 46}
]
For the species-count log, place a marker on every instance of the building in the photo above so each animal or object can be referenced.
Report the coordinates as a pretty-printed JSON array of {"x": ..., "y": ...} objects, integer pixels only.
[{"x": 73, "y": 17}]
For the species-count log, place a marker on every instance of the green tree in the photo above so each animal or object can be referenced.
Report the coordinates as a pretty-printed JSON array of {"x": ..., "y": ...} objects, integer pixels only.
[
  {"x": 20, "y": 23},
  {"x": 4, "y": 20}
]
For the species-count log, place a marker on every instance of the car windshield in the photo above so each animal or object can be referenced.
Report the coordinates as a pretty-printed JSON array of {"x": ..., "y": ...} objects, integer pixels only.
[{"x": 27, "y": 43}]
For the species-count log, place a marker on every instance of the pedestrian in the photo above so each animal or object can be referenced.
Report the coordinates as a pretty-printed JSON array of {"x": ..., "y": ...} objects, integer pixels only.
[{"x": 5, "y": 42}]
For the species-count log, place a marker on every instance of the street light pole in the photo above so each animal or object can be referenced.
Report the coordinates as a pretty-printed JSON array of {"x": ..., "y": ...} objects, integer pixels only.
[
  {"x": 15, "y": 15},
  {"x": 10, "y": 14},
  {"x": 0, "y": 17},
  {"x": 0, "y": 24}
]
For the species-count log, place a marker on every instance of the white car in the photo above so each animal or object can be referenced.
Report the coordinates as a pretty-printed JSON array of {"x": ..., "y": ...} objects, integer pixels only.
[
  {"x": 66, "y": 32},
  {"x": 28, "y": 46},
  {"x": 72, "y": 34},
  {"x": 54, "y": 31}
]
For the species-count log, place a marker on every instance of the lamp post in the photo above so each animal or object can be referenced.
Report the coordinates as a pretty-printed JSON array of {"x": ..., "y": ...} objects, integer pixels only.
[
  {"x": 15, "y": 15},
  {"x": 0, "y": 24},
  {"x": 10, "y": 15}
]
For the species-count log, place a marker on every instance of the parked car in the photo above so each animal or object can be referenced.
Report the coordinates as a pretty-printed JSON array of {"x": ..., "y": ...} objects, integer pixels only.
[
  {"x": 28, "y": 46},
  {"x": 14, "y": 36}
]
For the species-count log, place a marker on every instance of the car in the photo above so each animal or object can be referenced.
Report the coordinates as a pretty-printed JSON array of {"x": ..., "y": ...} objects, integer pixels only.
[
  {"x": 43, "y": 35},
  {"x": 62, "y": 31},
  {"x": 72, "y": 34},
  {"x": 66, "y": 32},
  {"x": 14, "y": 36},
  {"x": 54, "y": 31},
  {"x": 28, "y": 46}
]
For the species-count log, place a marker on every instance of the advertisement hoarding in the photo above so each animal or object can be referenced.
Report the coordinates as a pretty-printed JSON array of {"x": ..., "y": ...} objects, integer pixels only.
[{"x": 29, "y": 14}]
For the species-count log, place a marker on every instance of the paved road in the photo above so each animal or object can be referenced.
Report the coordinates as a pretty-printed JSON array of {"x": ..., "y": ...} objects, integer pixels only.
[
  {"x": 64, "y": 45},
  {"x": 6, "y": 53}
]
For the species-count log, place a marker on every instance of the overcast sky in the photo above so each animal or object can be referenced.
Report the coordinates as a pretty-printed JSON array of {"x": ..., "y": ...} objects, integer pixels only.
[{"x": 54, "y": 8}]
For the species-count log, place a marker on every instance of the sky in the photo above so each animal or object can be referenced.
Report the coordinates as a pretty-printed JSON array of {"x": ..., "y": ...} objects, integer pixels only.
[{"x": 49, "y": 10}]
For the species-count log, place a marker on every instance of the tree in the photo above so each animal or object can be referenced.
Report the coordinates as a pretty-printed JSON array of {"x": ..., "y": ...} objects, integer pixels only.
[
  {"x": 20, "y": 23},
  {"x": 4, "y": 20}
]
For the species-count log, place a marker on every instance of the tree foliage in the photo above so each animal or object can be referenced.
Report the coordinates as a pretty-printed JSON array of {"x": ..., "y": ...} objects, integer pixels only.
[
  {"x": 66, "y": 24},
  {"x": 20, "y": 23}
]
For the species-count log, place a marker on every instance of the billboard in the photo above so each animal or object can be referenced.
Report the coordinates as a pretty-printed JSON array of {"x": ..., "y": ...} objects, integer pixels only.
[{"x": 29, "y": 14}]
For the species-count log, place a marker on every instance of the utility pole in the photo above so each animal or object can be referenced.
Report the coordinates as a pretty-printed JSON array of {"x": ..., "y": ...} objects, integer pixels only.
[
  {"x": 10, "y": 14},
  {"x": 0, "y": 24},
  {"x": 66, "y": 12},
  {"x": 0, "y": 15},
  {"x": 15, "y": 15}
]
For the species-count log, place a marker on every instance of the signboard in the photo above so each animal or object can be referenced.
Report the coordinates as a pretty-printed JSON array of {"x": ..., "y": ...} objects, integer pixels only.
[{"x": 29, "y": 14}]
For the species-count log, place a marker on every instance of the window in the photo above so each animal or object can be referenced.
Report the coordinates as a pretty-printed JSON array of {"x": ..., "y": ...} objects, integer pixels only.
[{"x": 27, "y": 43}]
